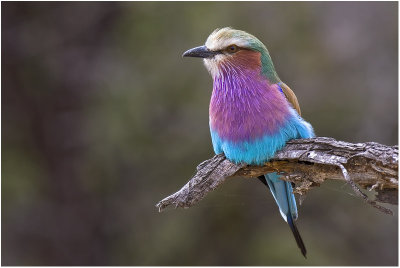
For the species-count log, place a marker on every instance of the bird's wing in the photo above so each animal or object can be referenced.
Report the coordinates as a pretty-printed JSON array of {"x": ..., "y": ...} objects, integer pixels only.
[{"x": 290, "y": 96}]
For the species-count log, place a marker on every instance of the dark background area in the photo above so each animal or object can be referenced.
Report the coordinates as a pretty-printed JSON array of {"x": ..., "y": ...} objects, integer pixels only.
[{"x": 102, "y": 118}]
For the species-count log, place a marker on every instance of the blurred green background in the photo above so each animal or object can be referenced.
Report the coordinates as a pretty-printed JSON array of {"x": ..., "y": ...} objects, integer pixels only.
[{"x": 102, "y": 118}]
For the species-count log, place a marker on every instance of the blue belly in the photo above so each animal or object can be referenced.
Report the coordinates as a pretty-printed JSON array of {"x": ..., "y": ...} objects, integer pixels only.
[{"x": 259, "y": 151}]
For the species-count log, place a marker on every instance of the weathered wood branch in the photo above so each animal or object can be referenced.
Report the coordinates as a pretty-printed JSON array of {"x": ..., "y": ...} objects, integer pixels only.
[{"x": 307, "y": 163}]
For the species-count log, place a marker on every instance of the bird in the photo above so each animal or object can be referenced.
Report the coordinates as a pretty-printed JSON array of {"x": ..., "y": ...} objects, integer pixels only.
[{"x": 252, "y": 113}]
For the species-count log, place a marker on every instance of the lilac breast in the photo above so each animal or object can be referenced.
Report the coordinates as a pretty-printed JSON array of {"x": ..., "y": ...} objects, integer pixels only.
[{"x": 245, "y": 106}]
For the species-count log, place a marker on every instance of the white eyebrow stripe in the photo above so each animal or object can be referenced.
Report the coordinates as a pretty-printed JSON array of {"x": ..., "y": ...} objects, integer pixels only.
[{"x": 215, "y": 43}]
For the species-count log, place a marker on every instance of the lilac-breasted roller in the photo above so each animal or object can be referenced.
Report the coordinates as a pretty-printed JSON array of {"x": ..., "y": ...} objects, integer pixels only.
[{"x": 252, "y": 112}]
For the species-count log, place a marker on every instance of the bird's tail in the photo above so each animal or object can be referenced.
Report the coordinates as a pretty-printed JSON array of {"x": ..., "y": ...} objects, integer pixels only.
[
  {"x": 282, "y": 192},
  {"x": 297, "y": 236}
]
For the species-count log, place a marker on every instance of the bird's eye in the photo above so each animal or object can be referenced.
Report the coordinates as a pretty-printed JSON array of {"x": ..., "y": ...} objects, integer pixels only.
[{"x": 232, "y": 49}]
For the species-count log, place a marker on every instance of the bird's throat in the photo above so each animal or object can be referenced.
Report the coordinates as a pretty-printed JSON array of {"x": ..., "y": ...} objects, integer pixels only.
[{"x": 244, "y": 105}]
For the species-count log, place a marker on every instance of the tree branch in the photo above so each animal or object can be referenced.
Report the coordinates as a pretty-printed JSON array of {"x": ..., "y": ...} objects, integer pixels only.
[{"x": 308, "y": 163}]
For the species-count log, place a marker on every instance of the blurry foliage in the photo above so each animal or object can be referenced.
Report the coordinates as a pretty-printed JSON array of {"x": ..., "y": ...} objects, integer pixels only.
[{"x": 101, "y": 118}]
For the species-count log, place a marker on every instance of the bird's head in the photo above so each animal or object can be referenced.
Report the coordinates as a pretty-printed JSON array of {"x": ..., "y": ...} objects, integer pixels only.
[{"x": 227, "y": 49}]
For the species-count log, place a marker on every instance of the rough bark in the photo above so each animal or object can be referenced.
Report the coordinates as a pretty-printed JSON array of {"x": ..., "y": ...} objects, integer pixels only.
[{"x": 307, "y": 163}]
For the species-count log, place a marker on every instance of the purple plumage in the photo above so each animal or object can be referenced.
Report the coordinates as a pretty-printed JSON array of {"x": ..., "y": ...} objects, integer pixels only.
[{"x": 244, "y": 105}]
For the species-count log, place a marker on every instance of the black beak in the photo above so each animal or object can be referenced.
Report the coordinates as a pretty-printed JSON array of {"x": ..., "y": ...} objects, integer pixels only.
[{"x": 200, "y": 52}]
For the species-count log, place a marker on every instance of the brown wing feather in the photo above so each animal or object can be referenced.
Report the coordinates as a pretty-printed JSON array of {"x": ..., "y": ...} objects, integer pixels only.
[{"x": 291, "y": 97}]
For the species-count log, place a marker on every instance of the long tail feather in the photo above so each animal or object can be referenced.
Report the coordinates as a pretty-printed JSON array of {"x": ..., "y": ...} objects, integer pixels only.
[
  {"x": 263, "y": 180},
  {"x": 297, "y": 236},
  {"x": 282, "y": 192}
]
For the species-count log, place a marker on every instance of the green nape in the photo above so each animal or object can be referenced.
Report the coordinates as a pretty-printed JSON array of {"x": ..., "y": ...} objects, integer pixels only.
[
  {"x": 267, "y": 65},
  {"x": 268, "y": 69}
]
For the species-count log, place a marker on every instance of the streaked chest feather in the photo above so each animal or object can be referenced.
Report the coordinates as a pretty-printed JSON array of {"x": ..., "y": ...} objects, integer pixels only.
[{"x": 244, "y": 106}]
